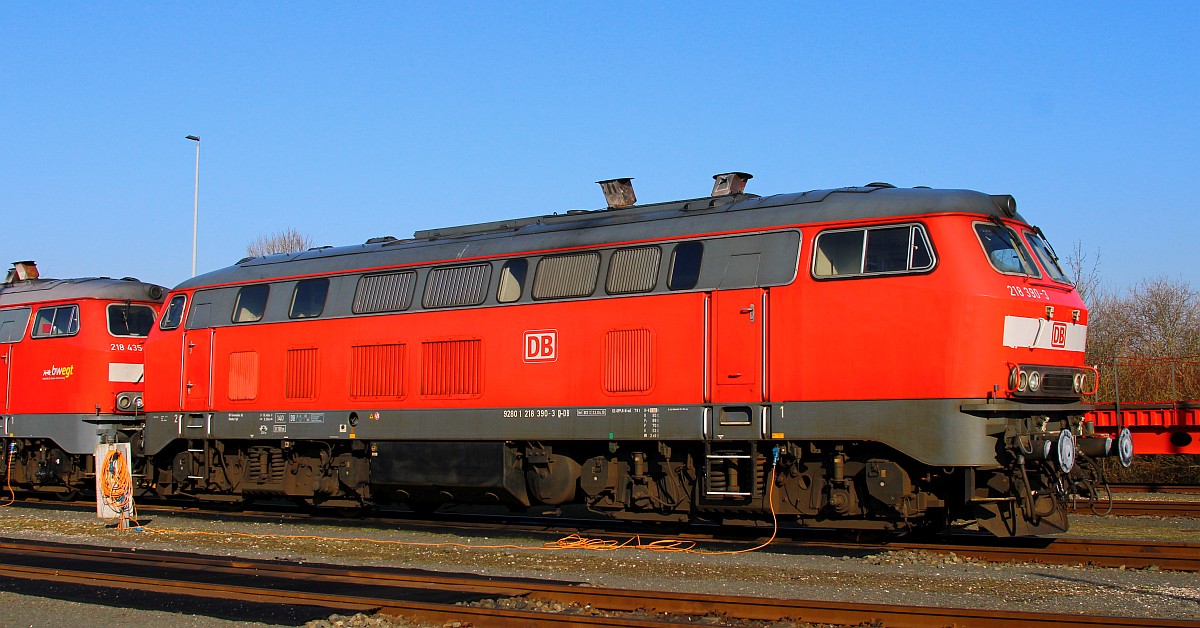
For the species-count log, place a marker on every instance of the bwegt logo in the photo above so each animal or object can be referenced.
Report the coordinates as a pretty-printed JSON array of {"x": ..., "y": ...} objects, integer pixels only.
[{"x": 58, "y": 372}]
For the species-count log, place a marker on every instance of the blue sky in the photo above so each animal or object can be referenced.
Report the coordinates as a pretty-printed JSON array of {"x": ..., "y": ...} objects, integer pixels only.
[{"x": 354, "y": 120}]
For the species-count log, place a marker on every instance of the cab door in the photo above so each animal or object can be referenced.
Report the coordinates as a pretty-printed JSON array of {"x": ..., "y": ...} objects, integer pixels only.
[{"x": 196, "y": 395}]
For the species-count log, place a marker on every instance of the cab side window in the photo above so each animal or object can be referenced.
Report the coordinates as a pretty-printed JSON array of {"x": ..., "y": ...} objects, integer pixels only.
[
  {"x": 173, "y": 315},
  {"x": 56, "y": 321}
]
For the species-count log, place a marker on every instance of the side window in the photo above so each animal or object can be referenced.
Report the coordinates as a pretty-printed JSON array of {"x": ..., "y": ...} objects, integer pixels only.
[
  {"x": 308, "y": 298},
  {"x": 873, "y": 251},
  {"x": 685, "y": 266},
  {"x": 389, "y": 292},
  {"x": 251, "y": 303},
  {"x": 512, "y": 280},
  {"x": 1004, "y": 251},
  {"x": 173, "y": 316},
  {"x": 565, "y": 276},
  {"x": 56, "y": 321},
  {"x": 633, "y": 270},
  {"x": 12, "y": 324},
  {"x": 125, "y": 319},
  {"x": 1045, "y": 254},
  {"x": 456, "y": 286},
  {"x": 839, "y": 253}
]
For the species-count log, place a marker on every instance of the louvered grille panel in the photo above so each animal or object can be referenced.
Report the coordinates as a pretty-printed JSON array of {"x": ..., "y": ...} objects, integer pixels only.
[
  {"x": 377, "y": 371},
  {"x": 563, "y": 276},
  {"x": 301, "y": 376},
  {"x": 628, "y": 361},
  {"x": 633, "y": 270},
  {"x": 460, "y": 285},
  {"x": 243, "y": 375},
  {"x": 384, "y": 293},
  {"x": 451, "y": 368}
]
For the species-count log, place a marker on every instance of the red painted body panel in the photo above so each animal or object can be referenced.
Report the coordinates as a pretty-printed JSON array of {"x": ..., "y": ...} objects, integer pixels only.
[
  {"x": 70, "y": 374},
  {"x": 923, "y": 336},
  {"x": 575, "y": 377}
]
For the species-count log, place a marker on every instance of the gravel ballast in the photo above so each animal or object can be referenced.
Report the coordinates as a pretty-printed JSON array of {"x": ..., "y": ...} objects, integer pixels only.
[{"x": 889, "y": 577}]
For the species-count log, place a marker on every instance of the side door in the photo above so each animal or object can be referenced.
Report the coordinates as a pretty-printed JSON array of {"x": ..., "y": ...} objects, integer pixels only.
[
  {"x": 198, "y": 356},
  {"x": 12, "y": 329},
  {"x": 737, "y": 345}
]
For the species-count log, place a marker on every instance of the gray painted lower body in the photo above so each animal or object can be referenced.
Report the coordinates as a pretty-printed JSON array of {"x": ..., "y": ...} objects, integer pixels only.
[
  {"x": 73, "y": 433},
  {"x": 936, "y": 432}
]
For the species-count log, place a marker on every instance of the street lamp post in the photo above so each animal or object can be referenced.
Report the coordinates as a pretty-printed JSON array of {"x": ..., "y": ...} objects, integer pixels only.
[{"x": 195, "y": 201}]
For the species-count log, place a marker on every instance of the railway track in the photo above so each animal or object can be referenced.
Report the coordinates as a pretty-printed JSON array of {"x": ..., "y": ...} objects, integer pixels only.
[
  {"x": 1142, "y": 508},
  {"x": 1130, "y": 554},
  {"x": 1180, "y": 489},
  {"x": 441, "y": 597}
]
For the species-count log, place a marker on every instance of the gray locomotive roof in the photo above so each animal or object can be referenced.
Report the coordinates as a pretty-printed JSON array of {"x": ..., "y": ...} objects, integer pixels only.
[
  {"x": 674, "y": 219},
  {"x": 42, "y": 290}
]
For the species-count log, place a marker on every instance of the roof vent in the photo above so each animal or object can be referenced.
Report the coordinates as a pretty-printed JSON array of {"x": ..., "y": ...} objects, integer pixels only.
[
  {"x": 22, "y": 271},
  {"x": 730, "y": 183},
  {"x": 618, "y": 192}
]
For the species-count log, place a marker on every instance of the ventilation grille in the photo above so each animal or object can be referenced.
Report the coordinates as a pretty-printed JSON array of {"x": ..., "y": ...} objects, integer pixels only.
[
  {"x": 457, "y": 286},
  {"x": 243, "y": 375},
  {"x": 628, "y": 361},
  {"x": 633, "y": 270},
  {"x": 301, "y": 374},
  {"x": 451, "y": 368},
  {"x": 564, "y": 276},
  {"x": 384, "y": 293},
  {"x": 377, "y": 371}
]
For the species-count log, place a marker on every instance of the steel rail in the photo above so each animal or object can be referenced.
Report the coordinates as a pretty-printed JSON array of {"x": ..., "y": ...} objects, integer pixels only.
[{"x": 1183, "y": 489}]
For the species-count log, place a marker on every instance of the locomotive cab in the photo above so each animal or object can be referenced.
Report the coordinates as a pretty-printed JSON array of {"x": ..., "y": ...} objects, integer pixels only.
[{"x": 72, "y": 373}]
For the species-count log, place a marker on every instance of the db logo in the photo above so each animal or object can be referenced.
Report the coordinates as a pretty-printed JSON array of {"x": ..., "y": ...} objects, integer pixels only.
[
  {"x": 541, "y": 345},
  {"x": 1058, "y": 336}
]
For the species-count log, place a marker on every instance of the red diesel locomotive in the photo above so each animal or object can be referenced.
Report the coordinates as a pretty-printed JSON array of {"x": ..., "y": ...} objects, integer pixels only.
[
  {"x": 71, "y": 372},
  {"x": 866, "y": 357}
]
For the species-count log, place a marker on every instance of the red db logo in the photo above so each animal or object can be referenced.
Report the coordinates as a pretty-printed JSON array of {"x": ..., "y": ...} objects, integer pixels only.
[
  {"x": 541, "y": 345},
  {"x": 1058, "y": 336}
]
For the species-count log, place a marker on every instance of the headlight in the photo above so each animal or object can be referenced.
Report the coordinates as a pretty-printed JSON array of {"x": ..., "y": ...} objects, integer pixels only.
[
  {"x": 1078, "y": 383},
  {"x": 124, "y": 402},
  {"x": 1035, "y": 381},
  {"x": 1023, "y": 381}
]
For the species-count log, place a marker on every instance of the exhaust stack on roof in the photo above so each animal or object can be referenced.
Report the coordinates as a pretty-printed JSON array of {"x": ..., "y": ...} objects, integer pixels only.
[
  {"x": 618, "y": 192},
  {"x": 22, "y": 271},
  {"x": 730, "y": 183}
]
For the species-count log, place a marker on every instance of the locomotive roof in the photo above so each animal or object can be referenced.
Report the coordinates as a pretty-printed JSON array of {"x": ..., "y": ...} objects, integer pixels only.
[
  {"x": 41, "y": 290},
  {"x": 674, "y": 219}
]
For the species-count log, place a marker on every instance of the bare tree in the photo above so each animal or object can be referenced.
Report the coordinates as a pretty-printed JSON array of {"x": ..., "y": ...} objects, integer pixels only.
[
  {"x": 287, "y": 240},
  {"x": 1154, "y": 329},
  {"x": 1084, "y": 272}
]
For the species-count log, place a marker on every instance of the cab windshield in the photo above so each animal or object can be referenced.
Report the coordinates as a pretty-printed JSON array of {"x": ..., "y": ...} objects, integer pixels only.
[
  {"x": 130, "y": 320},
  {"x": 1045, "y": 255},
  {"x": 1004, "y": 250}
]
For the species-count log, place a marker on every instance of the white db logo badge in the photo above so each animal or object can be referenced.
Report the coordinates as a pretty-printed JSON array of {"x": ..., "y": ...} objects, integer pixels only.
[
  {"x": 1058, "y": 335},
  {"x": 541, "y": 345}
]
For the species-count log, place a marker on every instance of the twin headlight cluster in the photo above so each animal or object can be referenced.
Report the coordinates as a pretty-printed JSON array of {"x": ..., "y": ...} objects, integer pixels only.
[
  {"x": 1025, "y": 380},
  {"x": 129, "y": 402}
]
